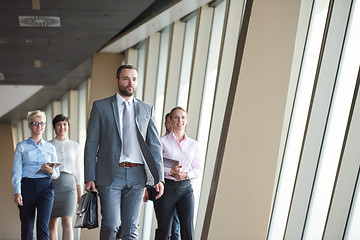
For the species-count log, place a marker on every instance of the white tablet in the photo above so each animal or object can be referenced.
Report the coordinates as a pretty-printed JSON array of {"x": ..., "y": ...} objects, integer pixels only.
[
  {"x": 49, "y": 164},
  {"x": 56, "y": 164}
]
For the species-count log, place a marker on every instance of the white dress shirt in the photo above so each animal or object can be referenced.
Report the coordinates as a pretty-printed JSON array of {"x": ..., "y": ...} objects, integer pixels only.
[
  {"x": 136, "y": 155},
  {"x": 68, "y": 152}
]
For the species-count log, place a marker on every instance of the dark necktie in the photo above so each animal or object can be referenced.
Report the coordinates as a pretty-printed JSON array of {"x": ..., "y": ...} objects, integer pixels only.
[{"x": 126, "y": 130}]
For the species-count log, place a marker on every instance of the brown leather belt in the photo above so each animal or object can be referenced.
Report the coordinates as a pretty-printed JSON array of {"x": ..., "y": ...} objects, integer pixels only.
[{"x": 129, "y": 164}]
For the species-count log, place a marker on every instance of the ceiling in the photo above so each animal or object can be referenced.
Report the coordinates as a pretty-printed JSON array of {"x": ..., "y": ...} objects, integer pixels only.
[{"x": 39, "y": 64}]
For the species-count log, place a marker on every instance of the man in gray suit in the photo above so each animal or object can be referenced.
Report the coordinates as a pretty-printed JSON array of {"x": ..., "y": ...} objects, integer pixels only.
[{"x": 122, "y": 156}]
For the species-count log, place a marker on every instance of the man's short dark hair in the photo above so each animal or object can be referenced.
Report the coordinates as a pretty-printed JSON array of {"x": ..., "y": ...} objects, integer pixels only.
[{"x": 125, "y": 66}]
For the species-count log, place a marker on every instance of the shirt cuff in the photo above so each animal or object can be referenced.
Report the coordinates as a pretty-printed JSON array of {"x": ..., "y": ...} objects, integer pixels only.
[{"x": 17, "y": 190}]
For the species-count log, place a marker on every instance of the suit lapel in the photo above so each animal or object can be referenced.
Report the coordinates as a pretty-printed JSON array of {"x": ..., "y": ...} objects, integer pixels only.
[
  {"x": 149, "y": 159},
  {"x": 136, "y": 111},
  {"x": 116, "y": 113}
]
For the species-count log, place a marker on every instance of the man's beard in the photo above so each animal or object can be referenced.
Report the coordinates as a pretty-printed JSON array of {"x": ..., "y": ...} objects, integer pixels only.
[{"x": 125, "y": 92}]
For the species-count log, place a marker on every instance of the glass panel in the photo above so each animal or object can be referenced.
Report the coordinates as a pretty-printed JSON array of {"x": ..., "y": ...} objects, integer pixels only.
[
  {"x": 336, "y": 127},
  {"x": 298, "y": 120},
  {"x": 26, "y": 131},
  {"x": 209, "y": 87},
  {"x": 353, "y": 227},
  {"x": 186, "y": 63},
  {"x": 82, "y": 114},
  {"x": 82, "y": 134},
  {"x": 141, "y": 71},
  {"x": 65, "y": 105},
  {"x": 48, "y": 133},
  {"x": 159, "y": 103},
  {"x": 161, "y": 76},
  {"x": 19, "y": 128}
]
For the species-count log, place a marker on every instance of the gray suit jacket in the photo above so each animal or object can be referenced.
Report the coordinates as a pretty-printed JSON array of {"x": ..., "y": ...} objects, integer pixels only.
[{"x": 103, "y": 143}]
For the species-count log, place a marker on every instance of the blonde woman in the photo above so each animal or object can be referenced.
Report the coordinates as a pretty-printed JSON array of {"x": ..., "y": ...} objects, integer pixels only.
[
  {"x": 178, "y": 194},
  {"x": 33, "y": 169}
]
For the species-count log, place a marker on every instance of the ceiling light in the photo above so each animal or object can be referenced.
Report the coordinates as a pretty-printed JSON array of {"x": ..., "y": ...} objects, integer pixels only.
[
  {"x": 35, "y": 4},
  {"x": 39, "y": 21},
  {"x": 4, "y": 41},
  {"x": 37, "y": 63},
  {"x": 2, "y": 77}
]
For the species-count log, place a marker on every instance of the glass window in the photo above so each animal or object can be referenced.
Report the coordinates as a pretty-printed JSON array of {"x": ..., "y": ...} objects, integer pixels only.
[
  {"x": 158, "y": 106},
  {"x": 161, "y": 76},
  {"x": 48, "y": 134},
  {"x": 65, "y": 105},
  {"x": 19, "y": 128},
  {"x": 26, "y": 133},
  {"x": 335, "y": 131},
  {"x": 186, "y": 63},
  {"x": 353, "y": 229},
  {"x": 209, "y": 86},
  {"x": 141, "y": 70},
  {"x": 298, "y": 121},
  {"x": 82, "y": 113}
]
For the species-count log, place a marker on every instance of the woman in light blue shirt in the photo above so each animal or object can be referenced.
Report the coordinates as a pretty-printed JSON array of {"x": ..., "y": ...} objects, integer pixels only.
[{"x": 33, "y": 169}]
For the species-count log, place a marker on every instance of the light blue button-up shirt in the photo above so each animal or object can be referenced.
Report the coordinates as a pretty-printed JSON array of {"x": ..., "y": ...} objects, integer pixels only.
[{"x": 28, "y": 159}]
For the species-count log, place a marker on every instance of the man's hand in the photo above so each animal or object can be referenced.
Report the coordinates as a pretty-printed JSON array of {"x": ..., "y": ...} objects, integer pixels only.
[
  {"x": 159, "y": 189},
  {"x": 90, "y": 185},
  {"x": 146, "y": 196},
  {"x": 18, "y": 199}
]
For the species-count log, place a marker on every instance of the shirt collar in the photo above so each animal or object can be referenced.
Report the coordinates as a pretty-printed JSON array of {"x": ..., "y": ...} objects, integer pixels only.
[
  {"x": 120, "y": 99},
  {"x": 30, "y": 140},
  {"x": 172, "y": 135},
  {"x": 63, "y": 141}
]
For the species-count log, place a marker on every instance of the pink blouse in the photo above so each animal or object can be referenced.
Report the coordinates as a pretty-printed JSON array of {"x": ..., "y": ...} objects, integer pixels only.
[{"x": 186, "y": 152}]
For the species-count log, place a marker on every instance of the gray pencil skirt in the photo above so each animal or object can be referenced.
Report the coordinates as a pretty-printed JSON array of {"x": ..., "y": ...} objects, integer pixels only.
[{"x": 64, "y": 196}]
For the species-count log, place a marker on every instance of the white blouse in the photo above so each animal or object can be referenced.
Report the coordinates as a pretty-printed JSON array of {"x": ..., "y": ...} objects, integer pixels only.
[{"x": 68, "y": 152}]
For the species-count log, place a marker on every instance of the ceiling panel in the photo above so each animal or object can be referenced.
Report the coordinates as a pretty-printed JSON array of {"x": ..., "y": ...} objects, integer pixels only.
[{"x": 65, "y": 52}]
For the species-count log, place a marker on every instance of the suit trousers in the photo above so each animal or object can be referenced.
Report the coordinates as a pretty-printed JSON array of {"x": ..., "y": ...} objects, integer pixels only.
[
  {"x": 121, "y": 203},
  {"x": 38, "y": 194},
  {"x": 179, "y": 196},
  {"x": 175, "y": 229}
]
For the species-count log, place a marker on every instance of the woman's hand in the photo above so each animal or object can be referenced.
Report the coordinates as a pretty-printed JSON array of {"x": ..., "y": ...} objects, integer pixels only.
[
  {"x": 79, "y": 193},
  {"x": 18, "y": 199},
  {"x": 48, "y": 168},
  {"x": 178, "y": 174},
  {"x": 183, "y": 176},
  {"x": 175, "y": 172}
]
